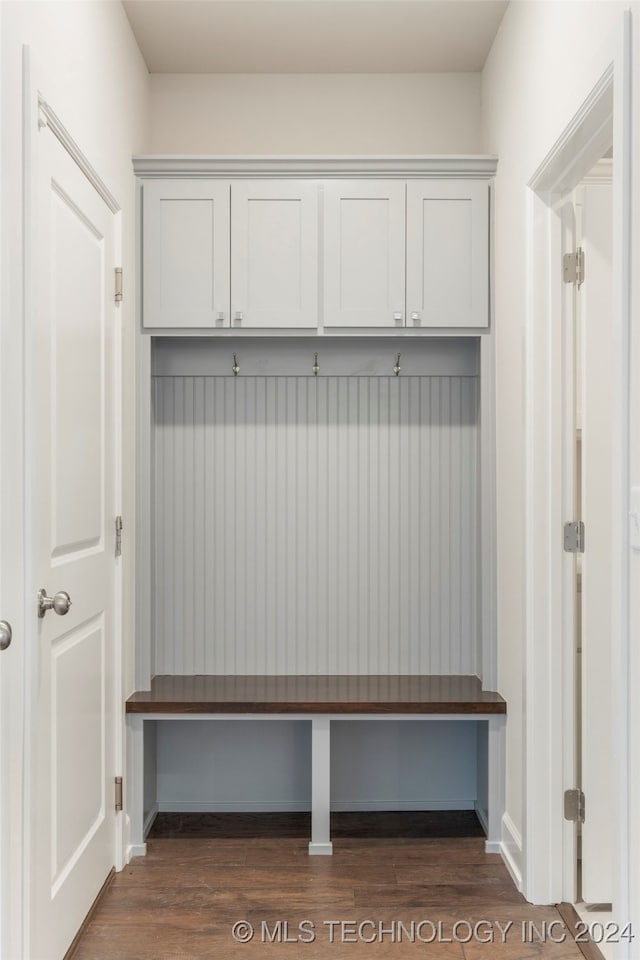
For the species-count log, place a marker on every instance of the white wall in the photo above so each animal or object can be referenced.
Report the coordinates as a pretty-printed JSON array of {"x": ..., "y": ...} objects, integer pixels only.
[
  {"x": 329, "y": 114},
  {"x": 545, "y": 60},
  {"x": 90, "y": 70}
]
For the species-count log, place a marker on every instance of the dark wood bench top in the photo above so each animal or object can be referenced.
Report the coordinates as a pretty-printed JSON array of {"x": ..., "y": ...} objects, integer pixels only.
[{"x": 316, "y": 694}]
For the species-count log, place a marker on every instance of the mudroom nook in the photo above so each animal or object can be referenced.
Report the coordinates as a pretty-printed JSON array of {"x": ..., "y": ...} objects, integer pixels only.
[
  {"x": 320, "y": 487},
  {"x": 316, "y": 499}
]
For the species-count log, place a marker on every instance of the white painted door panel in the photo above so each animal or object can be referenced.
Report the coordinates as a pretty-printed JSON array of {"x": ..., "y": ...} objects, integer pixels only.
[
  {"x": 597, "y": 498},
  {"x": 447, "y": 253},
  {"x": 185, "y": 253},
  {"x": 364, "y": 253},
  {"x": 274, "y": 254},
  {"x": 72, "y": 493}
]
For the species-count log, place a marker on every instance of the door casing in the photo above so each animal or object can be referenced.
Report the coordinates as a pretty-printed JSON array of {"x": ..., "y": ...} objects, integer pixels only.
[{"x": 549, "y": 848}]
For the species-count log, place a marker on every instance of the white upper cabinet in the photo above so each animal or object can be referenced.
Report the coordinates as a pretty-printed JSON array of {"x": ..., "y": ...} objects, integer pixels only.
[
  {"x": 448, "y": 253},
  {"x": 185, "y": 253},
  {"x": 364, "y": 253},
  {"x": 396, "y": 252},
  {"x": 274, "y": 254}
]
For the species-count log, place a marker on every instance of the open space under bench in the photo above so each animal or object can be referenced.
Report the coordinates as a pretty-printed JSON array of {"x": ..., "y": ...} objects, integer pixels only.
[{"x": 317, "y": 707}]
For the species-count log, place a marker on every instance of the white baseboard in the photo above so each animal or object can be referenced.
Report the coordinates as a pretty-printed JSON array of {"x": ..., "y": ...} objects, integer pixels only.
[
  {"x": 320, "y": 849},
  {"x": 148, "y": 820},
  {"x": 136, "y": 850},
  {"x": 484, "y": 822},
  {"x": 248, "y": 806},
  {"x": 357, "y": 806},
  {"x": 510, "y": 848},
  {"x": 345, "y": 806}
]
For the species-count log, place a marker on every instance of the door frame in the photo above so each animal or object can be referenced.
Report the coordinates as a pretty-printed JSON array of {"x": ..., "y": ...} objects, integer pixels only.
[
  {"x": 12, "y": 558},
  {"x": 37, "y": 113},
  {"x": 549, "y": 762}
]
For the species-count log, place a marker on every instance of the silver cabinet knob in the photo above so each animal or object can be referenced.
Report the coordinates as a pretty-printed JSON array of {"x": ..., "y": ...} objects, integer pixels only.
[
  {"x": 59, "y": 603},
  {"x": 238, "y": 316},
  {"x": 6, "y": 633},
  {"x": 397, "y": 317},
  {"x": 415, "y": 317}
]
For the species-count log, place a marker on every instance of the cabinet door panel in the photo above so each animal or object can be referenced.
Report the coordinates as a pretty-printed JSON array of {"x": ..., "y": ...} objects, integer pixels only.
[
  {"x": 274, "y": 254},
  {"x": 448, "y": 254},
  {"x": 364, "y": 254},
  {"x": 185, "y": 260}
]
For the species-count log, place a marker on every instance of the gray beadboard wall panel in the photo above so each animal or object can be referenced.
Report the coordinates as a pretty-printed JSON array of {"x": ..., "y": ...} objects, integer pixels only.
[{"x": 316, "y": 525}]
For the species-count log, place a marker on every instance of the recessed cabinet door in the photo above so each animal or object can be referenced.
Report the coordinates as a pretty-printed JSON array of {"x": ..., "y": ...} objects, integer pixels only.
[
  {"x": 274, "y": 254},
  {"x": 448, "y": 253},
  {"x": 185, "y": 253},
  {"x": 364, "y": 253}
]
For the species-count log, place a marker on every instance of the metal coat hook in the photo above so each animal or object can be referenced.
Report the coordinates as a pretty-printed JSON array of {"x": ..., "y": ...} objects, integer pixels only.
[
  {"x": 315, "y": 367},
  {"x": 397, "y": 367},
  {"x": 235, "y": 367}
]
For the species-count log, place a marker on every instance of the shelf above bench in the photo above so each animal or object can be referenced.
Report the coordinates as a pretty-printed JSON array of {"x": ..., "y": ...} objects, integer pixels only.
[{"x": 317, "y": 694}]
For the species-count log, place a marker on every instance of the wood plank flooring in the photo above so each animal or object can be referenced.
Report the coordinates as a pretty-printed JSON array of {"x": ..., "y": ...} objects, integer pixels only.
[
  {"x": 181, "y": 901},
  {"x": 364, "y": 826}
]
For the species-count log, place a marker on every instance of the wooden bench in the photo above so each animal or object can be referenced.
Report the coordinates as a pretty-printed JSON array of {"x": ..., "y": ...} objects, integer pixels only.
[{"x": 318, "y": 699}]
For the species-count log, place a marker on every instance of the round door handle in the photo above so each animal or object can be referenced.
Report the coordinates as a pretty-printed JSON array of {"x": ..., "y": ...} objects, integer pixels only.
[
  {"x": 6, "y": 633},
  {"x": 59, "y": 603}
]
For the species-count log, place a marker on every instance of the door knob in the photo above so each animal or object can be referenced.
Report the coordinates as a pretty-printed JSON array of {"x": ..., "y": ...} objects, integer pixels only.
[
  {"x": 59, "y": 603},
  {"x": 6, "y": 633}
]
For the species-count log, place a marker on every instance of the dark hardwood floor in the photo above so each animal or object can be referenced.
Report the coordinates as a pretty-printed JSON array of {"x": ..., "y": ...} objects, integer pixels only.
[
  {"x": 230, "y": 826},
  {"x": 181, "y": 901}
]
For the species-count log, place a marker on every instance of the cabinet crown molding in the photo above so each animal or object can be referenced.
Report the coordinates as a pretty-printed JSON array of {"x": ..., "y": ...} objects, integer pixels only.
[{"x": 481, "y": 167}]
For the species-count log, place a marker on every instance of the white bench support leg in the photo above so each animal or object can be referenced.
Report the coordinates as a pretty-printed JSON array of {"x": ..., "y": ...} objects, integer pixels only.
[
  {"x": 320, "y": 786},
  {"x": 134, "y": 785},
  {"x": 497, "y": 726}
]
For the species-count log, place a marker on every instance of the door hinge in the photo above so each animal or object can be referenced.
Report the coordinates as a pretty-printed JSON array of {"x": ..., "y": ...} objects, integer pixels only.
[
  {"x": 574, "y": 805},
  {"x": 573, "y": 267},
  {"x": 118, "y": 296},
  {"x": 574, "y": 537},
  {"x": 118, "y": 536},
  {"x": 118, "y": 794}
]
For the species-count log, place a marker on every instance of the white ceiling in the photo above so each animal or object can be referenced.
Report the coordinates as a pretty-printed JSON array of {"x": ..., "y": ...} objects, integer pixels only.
[{"x": 314, "y": 36}]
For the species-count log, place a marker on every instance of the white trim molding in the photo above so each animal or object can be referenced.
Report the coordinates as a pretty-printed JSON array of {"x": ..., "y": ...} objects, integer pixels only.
[
  {"x": 565, "y": 165},
  {"x": 287, "y": 806},
  {"x": 211, "y": 167},
  {"x": 150, "y": 818},
  {"x": 47, "y": 117},
  {"x": 510, "y": 848},
  {"x": 548, "y": 865},
  {"x": 601, "y": 173}
]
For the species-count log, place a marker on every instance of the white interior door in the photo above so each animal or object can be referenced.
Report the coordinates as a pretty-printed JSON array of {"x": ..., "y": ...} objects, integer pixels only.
[
  {"x": 71, "y": 426},
  {"x": 595, "y": 418}
]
